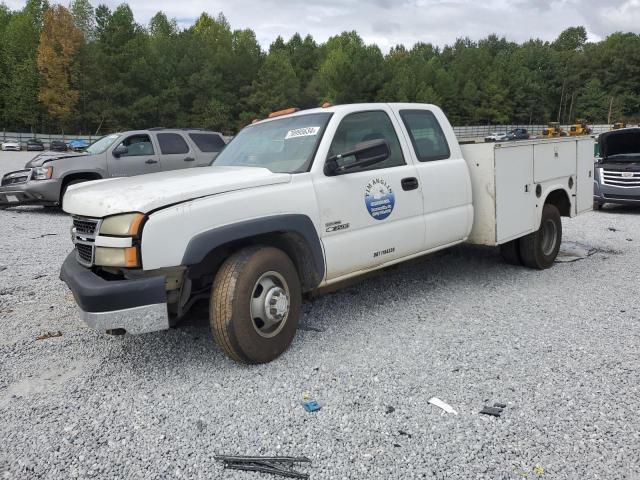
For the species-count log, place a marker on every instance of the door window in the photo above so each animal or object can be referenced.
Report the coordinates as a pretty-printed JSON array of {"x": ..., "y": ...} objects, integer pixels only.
[
  {"x": 365, "y": 126},
  {"x": 138, "y": 145},
  {"x": 172, "y": 143},
  {"x": 427, "y": 136}
]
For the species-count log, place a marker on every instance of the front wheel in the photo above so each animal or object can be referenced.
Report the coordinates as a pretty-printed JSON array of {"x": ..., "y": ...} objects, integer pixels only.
[
  {"x": 540, "y": 248},
  {"x": 255, "y": 304}
]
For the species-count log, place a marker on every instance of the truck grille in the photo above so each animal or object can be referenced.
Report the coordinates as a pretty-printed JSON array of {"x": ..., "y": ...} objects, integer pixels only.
[
  {"x": 85, "y": 253},
  {"x": 13, "y": 178},
  {"x": 621, "y": 178},
  {"x": 85, "y": 226},
  {"x": 84, "y": 235}
]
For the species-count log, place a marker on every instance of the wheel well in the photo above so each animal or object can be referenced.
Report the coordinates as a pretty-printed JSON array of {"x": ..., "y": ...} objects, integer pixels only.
[
  {"x": 291, "y": 243},
  {"x": 79, "y": 176},
  {"x": 560, "y": 200}
]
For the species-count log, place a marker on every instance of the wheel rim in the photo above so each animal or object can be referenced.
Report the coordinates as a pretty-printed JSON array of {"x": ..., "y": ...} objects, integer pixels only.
[
  {"x": 270, "y": 304},
  {"x": 549, "y": 237}
]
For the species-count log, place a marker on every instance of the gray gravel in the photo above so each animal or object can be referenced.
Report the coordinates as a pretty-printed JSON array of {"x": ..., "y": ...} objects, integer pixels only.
[{"x": 559, "y": 347}]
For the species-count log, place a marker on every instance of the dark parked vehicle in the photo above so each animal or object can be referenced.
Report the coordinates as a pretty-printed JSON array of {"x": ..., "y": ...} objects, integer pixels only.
[
  {"x": 58, "y": 146},
  {"x": 46, "y": 177},
  {"x": 517, "y": 134},
  {"x": 617, "y": 169},
  {"x": 34, "y": 145}
]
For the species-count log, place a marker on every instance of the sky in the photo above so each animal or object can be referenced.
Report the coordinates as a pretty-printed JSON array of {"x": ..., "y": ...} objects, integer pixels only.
[{"x": 391, "y": 22}]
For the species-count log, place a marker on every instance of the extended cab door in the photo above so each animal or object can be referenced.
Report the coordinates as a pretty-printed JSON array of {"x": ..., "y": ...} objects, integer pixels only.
[
  {"x": 443, "y": 174},
  {"x": 139, "y": 158},
  {"x": 176, "y": 152},
  {"x": 371, "y": 215}
]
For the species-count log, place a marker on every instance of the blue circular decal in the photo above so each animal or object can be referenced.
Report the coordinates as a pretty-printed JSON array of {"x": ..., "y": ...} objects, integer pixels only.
[{"x": 379, "y": 198}]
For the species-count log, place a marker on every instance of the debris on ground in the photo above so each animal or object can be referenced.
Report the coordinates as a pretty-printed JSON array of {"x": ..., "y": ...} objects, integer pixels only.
[
  {"x": 402, "y": 432},
  {"x": 2, "y": 268},
  {"x": 282, "y": 466},
  {"x": 494, "y": 411},
  {"x": 46, "y": 335},
  {"x": 611, "y": 229},
  {"x": 443, "y": 405},
  {"x": 538, "y": 470},
  {"x": 572, "y": 251},
  {"x": 390, "y": 409},
  {"x": 311, "y": 405}
]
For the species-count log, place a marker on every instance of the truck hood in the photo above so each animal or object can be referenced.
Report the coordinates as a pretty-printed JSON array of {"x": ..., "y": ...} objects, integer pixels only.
[
  {"x": 45, "y": 157},
  {"x": 145, "y": 193},
  {"x": 625, "y": 141}
]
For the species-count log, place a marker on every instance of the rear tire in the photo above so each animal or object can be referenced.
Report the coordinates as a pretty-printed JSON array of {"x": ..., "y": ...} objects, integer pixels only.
[
  {"x": 510, "y": 252},
  {"x": 255, "y": 304},
  {"x": 540, "y": 248}
]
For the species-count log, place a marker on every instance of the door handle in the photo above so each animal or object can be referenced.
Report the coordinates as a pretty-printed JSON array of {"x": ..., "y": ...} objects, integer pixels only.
[
  {"x": 189, "y": 159},
  {"x": 410, "y": 183},
  {"x": 150, "y": 161}
]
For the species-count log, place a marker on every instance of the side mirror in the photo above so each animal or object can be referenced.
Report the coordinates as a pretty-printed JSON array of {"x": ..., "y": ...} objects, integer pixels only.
[
  {"x": 120, "y": 150},
  {"x": 363, "y": 155}
]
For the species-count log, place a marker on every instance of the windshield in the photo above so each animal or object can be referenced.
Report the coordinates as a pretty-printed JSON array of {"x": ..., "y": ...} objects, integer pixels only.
[
  {"x": 283, "y": 146},
  {"x": 101, "y": 145}
]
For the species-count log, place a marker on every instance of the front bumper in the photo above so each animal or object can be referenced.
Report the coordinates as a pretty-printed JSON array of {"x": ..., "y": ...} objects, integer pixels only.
[
  {"x": 618, "y": 195},
  {"x": 38, "y": 192},
  {"x": 137, "y": 306}
]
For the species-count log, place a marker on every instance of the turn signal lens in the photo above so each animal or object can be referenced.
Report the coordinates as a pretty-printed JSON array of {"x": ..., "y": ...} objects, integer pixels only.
[
  {"x": 128, "y": 224},
  {"x": 117, "y": 257}
]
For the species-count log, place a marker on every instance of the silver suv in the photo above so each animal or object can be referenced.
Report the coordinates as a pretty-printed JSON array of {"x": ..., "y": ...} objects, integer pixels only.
[{"x": 46, "y": 177}]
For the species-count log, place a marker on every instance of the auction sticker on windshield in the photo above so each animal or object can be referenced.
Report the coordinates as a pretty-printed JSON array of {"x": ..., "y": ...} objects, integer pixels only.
[
  {"x": 379, "y": 198},
  {"x": 302, "y": 132}
]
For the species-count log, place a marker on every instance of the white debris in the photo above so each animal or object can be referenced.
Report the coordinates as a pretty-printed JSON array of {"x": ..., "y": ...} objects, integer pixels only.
[{"x": 440, "y": 404}]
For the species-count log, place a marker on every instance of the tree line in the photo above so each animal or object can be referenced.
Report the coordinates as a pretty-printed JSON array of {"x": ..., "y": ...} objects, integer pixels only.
[{"x": 86, "y": 70}]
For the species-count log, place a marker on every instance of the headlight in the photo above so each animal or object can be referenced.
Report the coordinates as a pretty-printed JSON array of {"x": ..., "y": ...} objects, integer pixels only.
[
  {"x": 127, "y": 224},
  {"x": 117, "y": 257},
  {"x": 42, "y": 173}
]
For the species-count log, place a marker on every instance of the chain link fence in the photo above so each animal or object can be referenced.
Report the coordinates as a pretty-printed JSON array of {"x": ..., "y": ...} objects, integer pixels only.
[{"x": 468, "y": 132}]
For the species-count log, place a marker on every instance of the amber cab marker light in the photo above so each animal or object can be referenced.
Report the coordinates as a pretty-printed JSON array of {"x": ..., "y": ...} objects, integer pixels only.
[
  {"x": 327, "y": 105},
  {"x": 286, "y": 111}
]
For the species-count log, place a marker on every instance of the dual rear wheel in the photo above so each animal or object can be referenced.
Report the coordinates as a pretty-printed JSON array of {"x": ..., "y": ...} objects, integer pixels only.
[{"x": 538, "y": 249}]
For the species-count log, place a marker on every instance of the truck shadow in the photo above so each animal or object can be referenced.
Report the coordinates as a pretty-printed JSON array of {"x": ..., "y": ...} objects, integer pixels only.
[{"x": 620, "y": 209}]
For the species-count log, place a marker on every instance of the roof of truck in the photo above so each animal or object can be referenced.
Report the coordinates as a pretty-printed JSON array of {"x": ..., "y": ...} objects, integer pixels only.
[{"x": 347, "y": 107}]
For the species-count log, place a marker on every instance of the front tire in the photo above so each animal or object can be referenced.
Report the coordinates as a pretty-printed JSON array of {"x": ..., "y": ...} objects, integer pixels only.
[
  {"x": 255, "y": 304},
  {"x": 540, "y": 248}
]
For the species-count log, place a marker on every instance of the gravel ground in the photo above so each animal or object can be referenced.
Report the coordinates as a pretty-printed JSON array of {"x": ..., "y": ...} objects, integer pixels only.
[{"x": 559, "y": 347}]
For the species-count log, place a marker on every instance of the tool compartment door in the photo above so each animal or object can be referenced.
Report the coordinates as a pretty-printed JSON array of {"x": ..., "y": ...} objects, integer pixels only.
[
  {"x": 515, "y": 195},
  {"x": 585, "y": 170}
]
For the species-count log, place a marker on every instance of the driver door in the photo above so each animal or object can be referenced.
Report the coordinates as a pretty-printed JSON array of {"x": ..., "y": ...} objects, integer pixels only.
[
  {"x": 371, "y": 215},
  {"x": 140, "y": 157}
]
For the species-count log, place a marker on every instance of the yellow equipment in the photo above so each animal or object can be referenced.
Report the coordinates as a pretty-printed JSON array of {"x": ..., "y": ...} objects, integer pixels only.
[
  {"x": 553, "y": 130},
  {"x": 580, "y": 128},
  {"x": 619, "y": 125}
]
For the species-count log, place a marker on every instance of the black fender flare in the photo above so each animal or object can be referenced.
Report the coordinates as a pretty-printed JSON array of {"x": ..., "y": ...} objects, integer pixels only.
[{"x": 300, "y": 225}]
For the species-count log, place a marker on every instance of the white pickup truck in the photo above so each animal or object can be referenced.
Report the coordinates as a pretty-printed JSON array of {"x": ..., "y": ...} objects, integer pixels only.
[{"x": 305, "y": 199}]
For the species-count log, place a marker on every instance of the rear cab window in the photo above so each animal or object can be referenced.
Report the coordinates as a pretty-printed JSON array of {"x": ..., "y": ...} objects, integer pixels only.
[
  {"x": 172, "y": 143},
  {"x": 427, "y": 137},
  {"x": 208, "y": 142}
]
